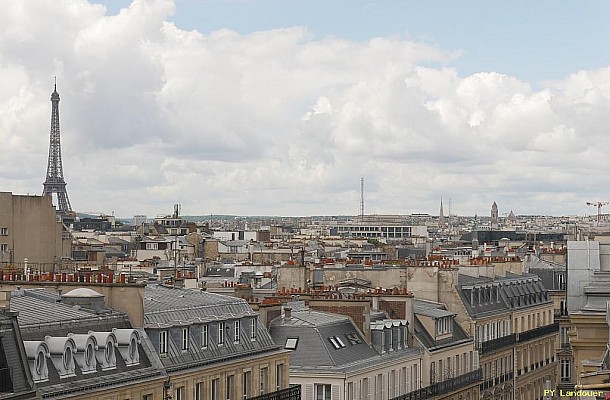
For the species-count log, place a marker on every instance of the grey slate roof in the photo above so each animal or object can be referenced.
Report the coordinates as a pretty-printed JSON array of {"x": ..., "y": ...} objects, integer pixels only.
[
  {"x": 40, "y": 314},
  {"x": 13, "y": 358},
  {"x": 40, "y": 307},
  {"x": 172, "y": 309},
  {"x": 459, "y": 336},
  {"x": 433, "y": 310},
  {"x": 511, "y": 292},
  {"x": 166, "y": 305},
  {"x": 315, "y": 351}
]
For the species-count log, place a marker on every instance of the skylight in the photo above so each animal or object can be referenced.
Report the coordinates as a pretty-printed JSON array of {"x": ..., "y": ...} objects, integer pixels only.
[
  {"x": 291, "y": 343},
  {"x": 338, "y": 343},
  {"x": 353, "y": 338}
]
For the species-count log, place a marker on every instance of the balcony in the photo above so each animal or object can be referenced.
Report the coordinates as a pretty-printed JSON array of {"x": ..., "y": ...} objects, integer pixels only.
[
  {"x": 538, "y": 332},
  {"x": 497, "y": 344},
  {"x": 291, "y": 393},
  {"x": 446, "y": 386}
]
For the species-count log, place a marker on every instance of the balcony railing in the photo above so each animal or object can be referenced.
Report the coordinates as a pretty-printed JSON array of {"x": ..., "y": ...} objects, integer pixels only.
[
  {"x": 291, "y": 393},
  {"x": 497, "y": 344},
  {"x": 446, "y": 386},
  {"x": 538, "y": 332}
]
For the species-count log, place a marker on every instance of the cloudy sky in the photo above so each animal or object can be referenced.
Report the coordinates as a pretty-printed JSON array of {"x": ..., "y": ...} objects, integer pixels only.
[{"x": 280, "y": 107}]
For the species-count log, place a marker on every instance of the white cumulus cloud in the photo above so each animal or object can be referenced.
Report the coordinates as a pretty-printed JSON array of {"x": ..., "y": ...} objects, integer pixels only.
[{"x": 281, "y": 122}]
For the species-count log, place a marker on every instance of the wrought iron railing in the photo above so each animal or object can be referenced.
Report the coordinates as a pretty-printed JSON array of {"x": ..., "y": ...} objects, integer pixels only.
[
  {"x": 497, "y": 344},
  {"x": 290, "y": 393},
  {"x": 446, "y": 386},
  {"x": 538, "y": 332}
]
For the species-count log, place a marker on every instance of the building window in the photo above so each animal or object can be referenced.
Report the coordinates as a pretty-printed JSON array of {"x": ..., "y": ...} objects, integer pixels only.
[
  {"x": 221, "y": 333},
  {"x": 279, "y": 376},
  {"x": 366, "y": 393},
  {"x": 561, "y": 281},
  {"x": 236, "y": 331},
  {"x": 185, "y": 339},
  {"x": 263, "y": 380},
  {"x": 323, "y": 392},
  {"x": 253, "y": 329},
  {"x": 204, "y": 336},
  {"x": 148, "y": 396},
  {"x": 565, "y": 370},
  {"x": 230, "y": 387},
  {"x": 214, "y": 389},
  {"x": 163, "y": 343},
  {"x": 3, "y": 231},
  {"x": 443, "y": 325},
  {"x": 152, "y": 246},
  {"x": 199, "y": 391},
  {"x": 180, "y": 393},
  {"x": 563, "y": 334},
  {"x": 3, "y": 247},
  {"x": 246, "y": 384}
]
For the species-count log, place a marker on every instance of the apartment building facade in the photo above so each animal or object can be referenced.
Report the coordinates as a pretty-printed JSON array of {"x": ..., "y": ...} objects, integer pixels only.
[{"x": 31, "y": 235}]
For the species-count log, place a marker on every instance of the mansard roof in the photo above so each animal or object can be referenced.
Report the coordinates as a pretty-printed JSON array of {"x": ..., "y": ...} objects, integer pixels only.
[
  {"x": 173, "y": 306},
  {"x": 314, "y": 335},
  {"x": 172, "y": 309},
  {"x": 43, "y": 318},
  {"x": 483, "y": 296}
]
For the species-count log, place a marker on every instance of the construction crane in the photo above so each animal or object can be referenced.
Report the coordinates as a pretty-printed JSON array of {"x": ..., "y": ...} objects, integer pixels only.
[{"x": 599, "y": 205}]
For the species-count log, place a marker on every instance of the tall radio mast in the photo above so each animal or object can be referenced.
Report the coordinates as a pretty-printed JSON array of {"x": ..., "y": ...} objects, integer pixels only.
[{"x": 362, "y": 199}]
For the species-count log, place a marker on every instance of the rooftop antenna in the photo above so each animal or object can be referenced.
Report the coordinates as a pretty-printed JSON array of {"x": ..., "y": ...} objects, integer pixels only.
[{"x": 362, "y": 199}]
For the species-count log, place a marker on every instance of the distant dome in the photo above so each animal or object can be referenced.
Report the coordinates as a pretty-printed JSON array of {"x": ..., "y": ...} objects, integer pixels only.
[{"x": 82, "y": 292}]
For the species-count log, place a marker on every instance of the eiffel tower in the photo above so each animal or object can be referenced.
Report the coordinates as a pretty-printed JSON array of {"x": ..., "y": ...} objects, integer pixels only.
[{"x": 55, "y": 175}]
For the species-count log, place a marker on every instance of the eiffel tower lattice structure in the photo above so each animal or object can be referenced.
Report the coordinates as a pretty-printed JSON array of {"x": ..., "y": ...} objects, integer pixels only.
[{"x": 55, "y": 183}]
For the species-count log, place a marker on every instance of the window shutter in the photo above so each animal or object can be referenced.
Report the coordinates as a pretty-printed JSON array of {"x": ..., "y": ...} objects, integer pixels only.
[
  {"x": 334, "y": 393},
  {"x": 308, "y": 392}
]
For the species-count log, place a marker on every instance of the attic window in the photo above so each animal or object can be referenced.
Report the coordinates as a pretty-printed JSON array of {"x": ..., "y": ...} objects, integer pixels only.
[
  {"x": 291, "y": 343},
  {"x": 353, "y": 338}
]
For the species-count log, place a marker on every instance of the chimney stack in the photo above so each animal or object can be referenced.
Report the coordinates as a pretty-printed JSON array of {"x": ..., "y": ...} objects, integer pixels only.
[
  {"x": 287, "y": 312},
  {"x": 5, "y": 300}
]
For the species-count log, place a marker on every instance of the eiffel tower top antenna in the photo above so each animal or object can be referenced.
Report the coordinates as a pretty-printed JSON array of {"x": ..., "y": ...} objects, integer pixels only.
[{"x": 54, "y": 182}]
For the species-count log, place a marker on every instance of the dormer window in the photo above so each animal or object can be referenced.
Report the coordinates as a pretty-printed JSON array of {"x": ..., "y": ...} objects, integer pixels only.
[
  {"x": 253, "y": 329},
  {"x": 163, "y": 343},
  {"x": 443, "y": 325},
  {"x": 185, "y": 339},
  {"x": 236, "y": 331},
  {"x": 221, "y": 333},
  {"x": 204, "y": 336}
]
